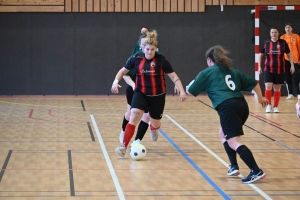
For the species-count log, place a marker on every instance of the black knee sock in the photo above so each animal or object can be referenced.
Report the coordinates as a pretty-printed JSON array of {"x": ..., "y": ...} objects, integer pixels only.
[
  {"x": 125, "y": 122},
  {"x": 142, "y": 129},
  {"x": 231, "y": 154},
  {"x": 247, "y": 156}
]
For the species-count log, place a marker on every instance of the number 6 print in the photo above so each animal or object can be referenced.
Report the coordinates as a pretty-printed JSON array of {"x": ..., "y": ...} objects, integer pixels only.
[{"x": 229, "y": 83}]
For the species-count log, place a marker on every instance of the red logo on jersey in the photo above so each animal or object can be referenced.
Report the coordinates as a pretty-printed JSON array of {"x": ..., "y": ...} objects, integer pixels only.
[
  {"x": 152, "y": 64},
  {"x": 278, "y": 46}
]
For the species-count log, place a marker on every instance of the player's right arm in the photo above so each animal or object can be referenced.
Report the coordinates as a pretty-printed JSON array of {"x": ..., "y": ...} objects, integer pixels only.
[
  {"x": 263, "y": 101},
  {"x": 259, "y": 62},
  {"x": 115, "y": 86},
  {"x": 129, "y": 81}
]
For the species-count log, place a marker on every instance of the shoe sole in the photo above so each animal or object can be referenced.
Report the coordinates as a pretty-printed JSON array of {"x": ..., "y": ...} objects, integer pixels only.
[
  {"x": 257, "y": 179},
  {"x": 234, "y": 173}
]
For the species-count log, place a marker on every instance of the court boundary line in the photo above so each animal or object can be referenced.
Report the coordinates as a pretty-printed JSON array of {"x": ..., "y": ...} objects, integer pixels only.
[
  {"x": 201, "y": 172},
  {"x": 216, "y": 156},
  {"x": 108, "y": 162}
]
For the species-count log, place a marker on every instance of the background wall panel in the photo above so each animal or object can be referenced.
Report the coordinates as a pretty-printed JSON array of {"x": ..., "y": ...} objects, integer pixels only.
[
  {"x": 15, "y": 53},
  {"x": 80, "y": 53},
  {"x": 51, "y": 54}
]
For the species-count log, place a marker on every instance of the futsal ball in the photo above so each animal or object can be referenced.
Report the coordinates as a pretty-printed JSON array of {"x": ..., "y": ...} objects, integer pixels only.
[
  {"x": 138, "y": 151},
  {"x": 298, "y": 109}
]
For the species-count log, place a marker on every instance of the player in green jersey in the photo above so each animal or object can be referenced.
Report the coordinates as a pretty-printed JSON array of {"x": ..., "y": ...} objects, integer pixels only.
[{"x": 223, "y": 85}]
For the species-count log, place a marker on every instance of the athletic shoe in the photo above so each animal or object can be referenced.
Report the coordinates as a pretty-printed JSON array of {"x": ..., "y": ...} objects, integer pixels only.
[
  {"x": 275, "y": 110},
  {"x": 254, "y": 176},
  {"x": 298, "y": 109},
  {"x": 121, "y": 137},
  {"x": 121, "y": 151},
  {"x": 234, "y": 170},
  {"x": 298, "y": 96},
  {"x": 290, "y": 96},
  {"x": 138, "y": 141},
  {"x": 154, "y": 135},
  {"x": 268, "y": 108}
]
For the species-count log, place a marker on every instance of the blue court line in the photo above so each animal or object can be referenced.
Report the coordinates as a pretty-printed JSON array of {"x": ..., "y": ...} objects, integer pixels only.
[
  {"x": 219, "y": 190},
  {"x": 288, "y": 147}
]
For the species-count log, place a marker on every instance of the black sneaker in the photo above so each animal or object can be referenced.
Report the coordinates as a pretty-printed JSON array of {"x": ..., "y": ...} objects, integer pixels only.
[
  {"x": 233, "y": 171},
  {"x": 254, "y": 176}
]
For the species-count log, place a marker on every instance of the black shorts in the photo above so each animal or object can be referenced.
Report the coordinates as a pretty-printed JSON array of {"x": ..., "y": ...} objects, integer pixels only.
[
  {"x": 154, "y": 104},
  {"x": 129, "y": 94},
  {"x": 233, "y": 114},
  {"x": 273, "y": 78}
]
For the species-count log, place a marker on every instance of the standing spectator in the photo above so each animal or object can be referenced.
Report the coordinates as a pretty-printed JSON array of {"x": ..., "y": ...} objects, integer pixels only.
[
  {"x": 293, "y": 41},
  {"x": 274, "y": 70}
]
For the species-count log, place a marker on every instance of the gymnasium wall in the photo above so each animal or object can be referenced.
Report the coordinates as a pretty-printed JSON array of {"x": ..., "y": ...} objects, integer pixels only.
[{"x": 80, "y": 53}]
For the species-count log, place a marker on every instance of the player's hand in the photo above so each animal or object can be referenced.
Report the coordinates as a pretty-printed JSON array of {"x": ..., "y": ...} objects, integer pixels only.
[
  {"x": 182, "y": 96},
  {"x": 264, "y": 102},
  {"x": 176, "y": 90},
  {"x": 133, "y": 86},
  {"x": 292, "y": 70},
  {"x": 115, "y": 88},
  {"x": 259, "y": 70}
]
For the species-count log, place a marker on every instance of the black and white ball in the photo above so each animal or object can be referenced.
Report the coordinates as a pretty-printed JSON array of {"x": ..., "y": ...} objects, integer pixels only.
[{"x": 138, "y": 151}]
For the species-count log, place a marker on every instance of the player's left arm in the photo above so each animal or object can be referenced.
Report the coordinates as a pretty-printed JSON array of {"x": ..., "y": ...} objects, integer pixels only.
[
  {"x": 173, "y": 76},
  {"x": 289, "y": 54}
]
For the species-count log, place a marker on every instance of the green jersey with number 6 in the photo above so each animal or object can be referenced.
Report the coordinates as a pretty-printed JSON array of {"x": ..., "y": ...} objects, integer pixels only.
[{"x": 221, "y": 83}]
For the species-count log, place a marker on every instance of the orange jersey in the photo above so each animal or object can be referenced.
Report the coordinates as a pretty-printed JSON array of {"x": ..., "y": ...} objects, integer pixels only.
[{"x": 294, "y": 45}]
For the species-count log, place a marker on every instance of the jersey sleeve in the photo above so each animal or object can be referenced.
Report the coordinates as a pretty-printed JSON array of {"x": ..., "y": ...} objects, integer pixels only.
[
  {"x": 262, "y": 48},
  {"x": 298, "y": 46},
  {"x": 199, "y": 85},
  {"x": 247, "y": 82},
  {"x": 167, "y": 66},
  {"x": 130, "y": 62}
]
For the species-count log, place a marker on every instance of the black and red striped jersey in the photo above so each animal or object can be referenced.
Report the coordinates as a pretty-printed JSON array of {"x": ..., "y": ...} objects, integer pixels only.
[
  {"x": 150, "y": 78},
  {"x": 274, "y": 52}
]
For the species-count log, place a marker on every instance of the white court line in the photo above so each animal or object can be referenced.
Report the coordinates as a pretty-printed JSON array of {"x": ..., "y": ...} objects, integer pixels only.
[
  {"x": 217, "y": 157},
  {"x": 110, "y": 167}
]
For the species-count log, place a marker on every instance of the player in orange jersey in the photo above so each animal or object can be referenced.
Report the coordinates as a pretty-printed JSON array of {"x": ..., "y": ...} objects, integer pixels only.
[{"x": 293, "y": 41}]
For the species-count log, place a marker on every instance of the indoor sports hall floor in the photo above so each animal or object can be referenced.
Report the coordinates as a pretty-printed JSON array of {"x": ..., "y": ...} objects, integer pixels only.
[{"x": 62, "y": 147}]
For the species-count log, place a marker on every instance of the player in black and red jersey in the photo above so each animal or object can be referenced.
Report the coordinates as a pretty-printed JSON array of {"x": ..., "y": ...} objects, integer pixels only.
[
  {"x": 274, "y": 67},
  {"x": 150, "y": 87}
]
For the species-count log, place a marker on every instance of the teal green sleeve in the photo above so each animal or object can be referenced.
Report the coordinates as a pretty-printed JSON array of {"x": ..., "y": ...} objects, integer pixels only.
[
  {"x": 199, "y": 85},
  {"x": 247, "y": 82},
  {"x": 137, "y": 48}
]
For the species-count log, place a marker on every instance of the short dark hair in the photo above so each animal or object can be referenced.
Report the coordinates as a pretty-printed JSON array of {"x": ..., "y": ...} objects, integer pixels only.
[{"x": 288, "y": 24}]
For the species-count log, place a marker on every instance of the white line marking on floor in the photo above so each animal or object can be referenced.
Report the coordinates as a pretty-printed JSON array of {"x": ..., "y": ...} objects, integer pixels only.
[
  {"x": 110, "y": 167},
  {"x": 217, "y": 157}
]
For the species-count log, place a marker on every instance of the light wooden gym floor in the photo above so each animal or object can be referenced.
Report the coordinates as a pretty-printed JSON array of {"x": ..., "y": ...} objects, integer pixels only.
[{"x": 62, "y": 147}]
